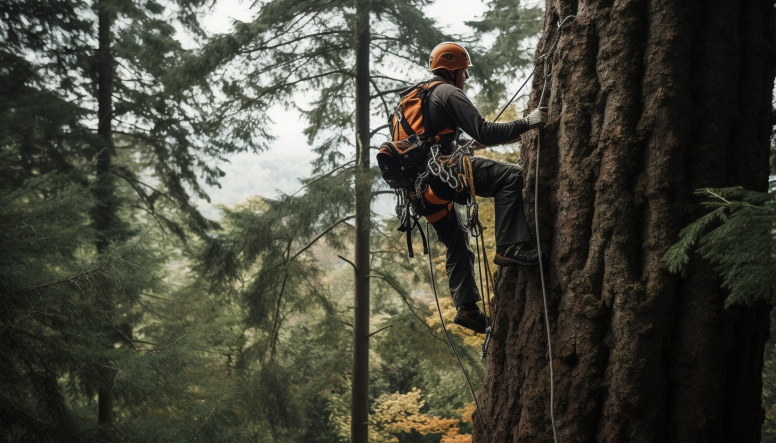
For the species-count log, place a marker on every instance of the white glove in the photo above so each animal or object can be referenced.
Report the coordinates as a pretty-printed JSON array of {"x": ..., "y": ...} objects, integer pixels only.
[{"x": 537, "y": 118}]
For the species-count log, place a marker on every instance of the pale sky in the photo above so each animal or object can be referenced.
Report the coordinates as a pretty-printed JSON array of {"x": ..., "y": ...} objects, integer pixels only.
[{"x": 280, "y": 168}]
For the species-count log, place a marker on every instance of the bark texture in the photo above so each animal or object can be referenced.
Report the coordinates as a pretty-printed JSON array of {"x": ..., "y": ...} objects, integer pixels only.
[
  {"x": 105, "y": 212},
  {"x": 648, "y": 101},
  {"x": 359, "y": 431}
]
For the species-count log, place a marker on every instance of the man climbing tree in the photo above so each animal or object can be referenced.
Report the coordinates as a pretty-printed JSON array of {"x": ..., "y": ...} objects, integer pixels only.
[
  {"x": 446, "y": 110},
  {"x": 647, "y": 102}
]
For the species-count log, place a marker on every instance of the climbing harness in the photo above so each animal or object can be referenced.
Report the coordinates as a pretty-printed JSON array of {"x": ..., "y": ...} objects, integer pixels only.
[{"x": 401, "y": 160}]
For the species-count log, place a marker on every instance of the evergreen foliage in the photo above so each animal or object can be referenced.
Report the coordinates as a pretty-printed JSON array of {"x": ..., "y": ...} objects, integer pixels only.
[
  {"x": 77, "y": 256},
  {"x": 512, "y": 25},
  {"x": 58, "y": 329},
  {"x": 738, "y": 238}
]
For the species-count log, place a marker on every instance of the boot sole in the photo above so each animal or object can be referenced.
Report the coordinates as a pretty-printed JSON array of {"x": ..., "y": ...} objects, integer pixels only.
[
  {"x": 502, "y": 262},
  {"x": 468, "y": 324}
]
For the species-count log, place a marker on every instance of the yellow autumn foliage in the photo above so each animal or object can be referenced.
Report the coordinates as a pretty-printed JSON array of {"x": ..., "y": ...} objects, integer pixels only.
[
  {"x": 396, "y": 413},
  {"x": 401, "y": 413}
]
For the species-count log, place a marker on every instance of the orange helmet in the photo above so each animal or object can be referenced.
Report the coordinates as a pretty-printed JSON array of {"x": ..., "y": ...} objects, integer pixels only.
[{"x": 450, "y": 56}]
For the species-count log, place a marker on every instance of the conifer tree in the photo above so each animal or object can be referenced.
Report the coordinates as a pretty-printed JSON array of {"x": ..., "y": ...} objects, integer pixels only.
[
  {"x": 343, "y": 54},
  {"x": 512, "y": 24},
  {"x": 112, "y": 119},
  {"x": 326, "y": 48}
]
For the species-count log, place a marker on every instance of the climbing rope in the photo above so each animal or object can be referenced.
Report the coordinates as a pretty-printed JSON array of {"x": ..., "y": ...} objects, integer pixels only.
[
  {"x": 450, "y": 341},
  {"x": 546, "y": 57},
  {"x": 447, "y": 169}
]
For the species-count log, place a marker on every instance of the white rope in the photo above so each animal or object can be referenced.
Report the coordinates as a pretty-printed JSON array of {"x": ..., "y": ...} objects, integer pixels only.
[
  {"x": 546, "y": 57},
  {"x": 544, "y": 296},
  {"x": 481, "y": 421}
]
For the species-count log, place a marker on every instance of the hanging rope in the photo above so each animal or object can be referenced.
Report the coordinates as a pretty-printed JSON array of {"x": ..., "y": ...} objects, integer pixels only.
[
  {"x": 546, "y": 57},
  {"x": 442, "y": 166},
  {"x": 450, "y": 341}
]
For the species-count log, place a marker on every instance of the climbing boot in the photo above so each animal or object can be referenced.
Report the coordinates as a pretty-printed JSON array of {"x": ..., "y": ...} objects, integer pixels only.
[
  {"x": 522, "y": 254},
  {"x": 474, "y": 320}
]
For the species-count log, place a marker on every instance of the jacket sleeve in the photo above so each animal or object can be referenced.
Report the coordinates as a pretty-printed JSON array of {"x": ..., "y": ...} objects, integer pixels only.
[{"x": 466, "y": 116}]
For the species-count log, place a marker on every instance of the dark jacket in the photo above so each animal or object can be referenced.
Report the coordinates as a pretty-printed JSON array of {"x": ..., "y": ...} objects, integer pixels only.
[{"x": 449, "y": 107}]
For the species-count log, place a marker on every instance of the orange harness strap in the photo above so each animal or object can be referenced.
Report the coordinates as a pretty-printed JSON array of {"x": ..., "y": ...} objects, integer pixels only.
[
  {"x": 435, "y": 217},
  {"x": 432, "y": 198}
]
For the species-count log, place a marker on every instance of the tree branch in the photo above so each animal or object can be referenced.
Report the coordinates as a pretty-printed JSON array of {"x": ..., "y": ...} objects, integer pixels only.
[
  {"x": 391, "y": 78},
  {"x": 126, "y": 339},
  {"x": 379, "y": 94},
  {"x": 388, "y": 92},
  {"x": 406, "y": 301},
  {"x": 349, "y": 262},
  {"x": 312, "y": 77},
  {"x": 77, "y": 276},
  {"x": 294, "y": 40},
  {"x": 376, "y": 130},
  {"x": 321, "y": 235},
  {"x": 322, "y": 176},
  {"x": 379, "y": 330}
]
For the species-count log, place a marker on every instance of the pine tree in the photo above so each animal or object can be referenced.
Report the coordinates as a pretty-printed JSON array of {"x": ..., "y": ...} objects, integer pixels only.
[
  {"x": 327, "y": 48},
  {"x": 113, "y": 120},
  {"x": 343, "y": 54},
  {"x": 513, "y": 26}
]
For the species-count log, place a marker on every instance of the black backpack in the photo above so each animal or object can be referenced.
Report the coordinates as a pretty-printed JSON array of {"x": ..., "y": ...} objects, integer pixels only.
[{"x": 403, "y": 158}]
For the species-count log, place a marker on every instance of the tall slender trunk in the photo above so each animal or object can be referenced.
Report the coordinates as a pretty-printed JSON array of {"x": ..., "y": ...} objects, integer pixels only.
[
  {"x": 648, "y": 101},
  {"x": 104, "y": 213},
  {"x": 363, "y": 185}
]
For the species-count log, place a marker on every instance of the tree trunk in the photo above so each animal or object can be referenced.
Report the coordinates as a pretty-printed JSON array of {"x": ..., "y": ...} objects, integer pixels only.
[
  {"x": 104, "y": 211},
  {"x": 363, "y": 185},
  {"x": 648, "y": 101}
]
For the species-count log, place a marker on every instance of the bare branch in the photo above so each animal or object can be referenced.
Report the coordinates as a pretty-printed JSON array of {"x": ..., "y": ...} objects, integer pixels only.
[
  {"x": 376, "y": 130},
  {"x": 381, "y": 95},
  {"x": 392, "y": 79},
  {"x": 388, "y": 92},
  {"x": 321, "y": 235},
  {"x": 379, "y": 330},
  {"x": 349, "y": 262},
  {"x": 125, "y": 338},
  {"x": 406, "y": 301}
]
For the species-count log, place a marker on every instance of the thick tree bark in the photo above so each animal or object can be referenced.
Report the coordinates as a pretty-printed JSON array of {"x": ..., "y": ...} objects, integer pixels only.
[
  {"x": 363, "y": 185},
  {"x": 648, "y": 101}
]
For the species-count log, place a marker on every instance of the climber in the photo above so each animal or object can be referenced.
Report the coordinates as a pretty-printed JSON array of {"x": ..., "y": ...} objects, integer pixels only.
[{"x": 448, "y": 107}]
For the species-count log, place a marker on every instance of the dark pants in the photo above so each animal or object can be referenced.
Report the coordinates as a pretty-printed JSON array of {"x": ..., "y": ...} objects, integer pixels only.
[{"x": 503, "y": 182}]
